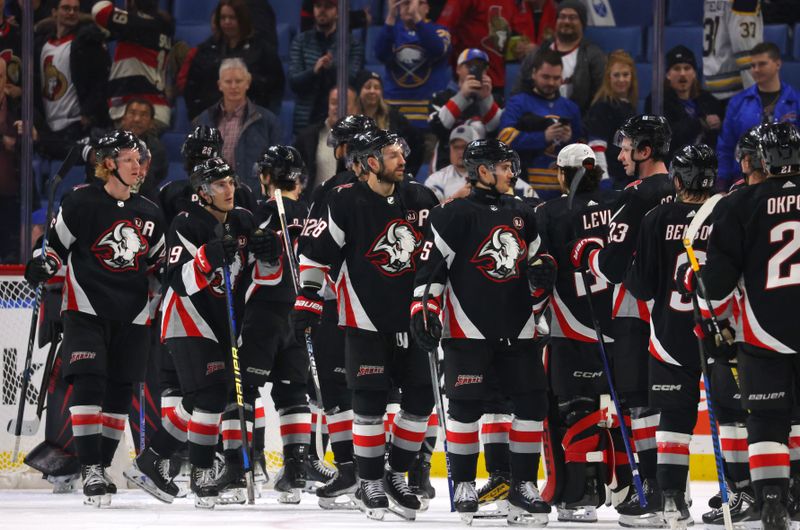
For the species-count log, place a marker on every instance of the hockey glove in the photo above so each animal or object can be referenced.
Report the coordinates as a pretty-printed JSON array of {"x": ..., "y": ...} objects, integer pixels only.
[
  {"x": 215, "y": 253},
  {"x": 426, "y": 336},
  {"x": 686, "y": 280},
  {"x": 582, "y": 251},
  {"x": 38, "y": 270},
  {"x": 306, "y": 313},
  {"x": 265, "y": 245},
  {"x": 542, "y": 273},
  {"x": 718, "y": 346}
]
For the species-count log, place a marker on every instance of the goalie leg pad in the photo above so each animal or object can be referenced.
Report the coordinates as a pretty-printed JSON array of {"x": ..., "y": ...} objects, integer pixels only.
[{"x": 585, "y": 453}]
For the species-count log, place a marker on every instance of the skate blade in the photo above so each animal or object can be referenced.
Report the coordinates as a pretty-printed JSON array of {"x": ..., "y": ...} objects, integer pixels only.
[
  {"x": 496, "y": 510},
  {"x": 289, "y": 497},
  {"x": 424, "y": 503},
  {"x": 65, "y": 484},
  {"x": 583, "y": 514},
  {"x": 232, "y": 496},
  {"x": 518, "y": 517},
  {"x": 95, "y": 501},
  {"x": 328, "y": 503},
  {"x": 467, "y": 518},
  {"x": 311, "y": 487},
  {"x": 140, "y": 480},
  {"x": 205, "y": 503},
  {"x": 752, "y": 525},
  {"x": 404, "y": 513},
  {"x": 648, "y": 520}
]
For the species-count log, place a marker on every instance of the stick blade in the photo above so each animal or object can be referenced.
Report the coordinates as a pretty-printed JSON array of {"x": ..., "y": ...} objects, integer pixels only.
[{"x": 28, "y": 427}]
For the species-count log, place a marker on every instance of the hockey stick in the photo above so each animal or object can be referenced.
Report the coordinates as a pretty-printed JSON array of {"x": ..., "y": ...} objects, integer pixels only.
[
  {"x": 66, "y": 165},
  {"x": 437, "y": 393},
  {"x": 142, "y": 422},
  {"x": 237, "y": 378},
  {"x": 637, "y": 479},
  {"x": 31, "y": 427},
  {"x": 294, "y": 268}
]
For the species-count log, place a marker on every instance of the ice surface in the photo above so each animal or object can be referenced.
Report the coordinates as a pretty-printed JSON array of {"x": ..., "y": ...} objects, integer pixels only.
[{"x": 134, "y": 509}]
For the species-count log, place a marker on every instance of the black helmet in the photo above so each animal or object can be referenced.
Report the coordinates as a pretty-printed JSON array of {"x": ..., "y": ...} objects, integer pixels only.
[
  {"x": 203, "y": 142},
  {"x": 780, "y": 149},
  {"x": 283, "y": 163},
  {"x": 646, "y": 130},
  {"x": 488, "y": 153},
  {"x": 749, "y": 145},
  {"x": 208, "y": 171},
  {"x": 695, "y": 166},
  {"x": 144, "y": 152},
  {"x": 347, "y": 128},
  {"x": 370, "y": 143},
  {"x": 112, "y": 143}
]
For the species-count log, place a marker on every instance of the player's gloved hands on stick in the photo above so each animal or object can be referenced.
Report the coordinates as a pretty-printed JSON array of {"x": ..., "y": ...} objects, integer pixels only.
[
  {"x": 306, "y": 313},
  {"x": 427, "y": 336},
  {"x": 718, "y": 346},
  {"x": 686, "y": 280},
  {"x": 215, "y": 253},
  {"x": 582, "y": 250},
  {"x": 39, "y": 270},
  {"x": 265, "y": 245},
  {"x": 542, "y": 273}
]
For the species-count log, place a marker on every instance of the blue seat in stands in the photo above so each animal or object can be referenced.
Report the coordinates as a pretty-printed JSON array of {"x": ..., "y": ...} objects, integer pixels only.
[
  {"x": 287, "y": 121},
  {"x": 180, "y": 120},
  {"x": 285, "y": 35},
  {"x": 194, "y": 11},
  {"x": 689, "y": 36},
  {"x": 796, "y": 47},
  {"x": 287, "y": 11},
  {"x": 611, "y": 38},
  {"x": 644, "y": 75},
  {"x": 369, "y": 47},
  {"x": 684, "y": 12},
  {"x": 172, "y": 142},
  {"x": 632, "y": 12},
  {"x": 192, "y": 34},
  {"x": 175, "y": 172},
  {"x": 512, "y": 73},
  {"x": 779, "y": 34},
  {"x": 790, "y": 73}
]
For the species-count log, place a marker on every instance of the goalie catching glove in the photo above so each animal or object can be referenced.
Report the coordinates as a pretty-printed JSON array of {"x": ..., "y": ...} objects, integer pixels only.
[{"x": 426, "y": 334}]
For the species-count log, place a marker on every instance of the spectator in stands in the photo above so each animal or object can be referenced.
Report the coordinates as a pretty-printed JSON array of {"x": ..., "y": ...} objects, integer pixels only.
[
  {"x": 263, "y": 21},
  {"x": 359, "y": 18},
  {"x": 233, "y": 36},
  {"x": 614, "y": 103},
  {"x": 540, "y": 17},
  {"x": 71, "y": 73},
  {"x": 694, "y": 115},
  {"x": 144, "y": 38},
  {"x": 312, "y": 64},
  {"x": 9, "y": 175},
  {"x": 415, "y": 52},
  {"x": 768, "y": 100},
  {"x": 584, "y": 62},
  {"x": 369, "y": 87},
  {"x": 450, "y": 182},
  {"x": 139, "y": 119},
  {"x": 246, "y": 128},
  {"x": 539, "y": 122},
  {"x": 10, "y": 52},
  {"x": 488, "y": 25},
  {"x": 312, "y": 142},
  {"x": 471, "y": 99}
]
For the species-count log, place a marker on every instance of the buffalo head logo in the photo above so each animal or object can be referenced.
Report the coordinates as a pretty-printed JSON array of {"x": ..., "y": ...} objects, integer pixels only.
[
  {"x": 499, "y": 255},
  {"x": 119, "y": 248},
  {"x": 393, "y": 251}
]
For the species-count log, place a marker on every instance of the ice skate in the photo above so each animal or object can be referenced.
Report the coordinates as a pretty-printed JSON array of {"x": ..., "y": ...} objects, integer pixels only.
[
  {"x": 231, "y": 481},
  {"x": 63, "y": 483},
  {"x": 204, "y": 487},
  {"x": 632, "y": 515},
  {"x": 578, "y": 514},
  {"x": 793, "y": 505},
  {"x": 526, "y": 506},
  {"x": 151, "y": 473},
  {"x": 676, "y": 512},
  {"x": 292, "y": 476},
  {"x": 372, "y": 499},
  {"x": 774, "y": 515},
  {"x": 95, "y": 486},
  {"x": 402, "y": 501},
  {"x": 181, "y": 471},
  {"x": 260, "y": 474},
  {"x": 741, "y": 504},
  {"x": 493, "y": 497},
  {"x": 465, "y": 500},
  {"x": 419, "y": 480},
  {"x": 342, "y": 485},
  {"x": 317, "y": 473},
  {"x": 110, "y": 486}
]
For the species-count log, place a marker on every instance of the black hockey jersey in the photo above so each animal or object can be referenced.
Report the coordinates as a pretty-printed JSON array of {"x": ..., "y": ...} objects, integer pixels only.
[
  {"x": 756, "y": 244},
  {"x": 569, "y": 311},
  {"x": 194, "y": 304},
  {"x": 377, "y": 240},
  {"x": 110, "y": 248},
  {"x": 175, "y": 196},
  {"x": 485, "y": 241},
  {"x": 659, "y": 253}
]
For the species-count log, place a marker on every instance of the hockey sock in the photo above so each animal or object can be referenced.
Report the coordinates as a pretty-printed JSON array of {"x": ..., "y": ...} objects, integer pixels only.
[
  {"x": 87, "y": 428},
  {"x": 369, "y": 445},
  {"x": 769, "y": 465},
  {"x": 408, "y": 434},
  {"x": 340, "y": 427},
  {"x": 733, "y": 439},
  {"x": 113, "y": 429},
  {"x": 463, "y": 446},
  {"x": 644, "y": 424},
  {"x": 494, "y": 437},
  {"x": 259, "y": 428},
  {"x": 388, "y": 420},
  {"x": 231, "y": 428},
  {"x": 431, "y": 434},
  {"x": 673, "y": 459},
  {"x": 203, "y": 434},
  {"x": 525, "y": 446},
  {"x": 295, "y": 428},
  {"x": 622, "y": 468},
  {"x": 325, "y": 432},
  {"x": 794, "y": 449}
]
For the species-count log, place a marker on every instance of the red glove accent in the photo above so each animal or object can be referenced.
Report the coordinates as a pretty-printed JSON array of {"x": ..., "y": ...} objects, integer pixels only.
[
  {"x": 307, "y": 304},
  {"x": 699, "y": 332},
  {"x": 689, "y": 281},
  {"x": 433, "y": 307},
  {"x": 201, "y": 261},
  {"x": 581, "y": 251}
]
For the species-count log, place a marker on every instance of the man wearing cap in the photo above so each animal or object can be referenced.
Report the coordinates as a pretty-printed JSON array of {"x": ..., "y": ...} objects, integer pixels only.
[
  {"x": 450, "y": 182},
  {"x": 583, "y": 61},
  {"x": 415, "y": 52},
  {"x": 471, "y": 99},
  {"x": 693, "y": 113}
]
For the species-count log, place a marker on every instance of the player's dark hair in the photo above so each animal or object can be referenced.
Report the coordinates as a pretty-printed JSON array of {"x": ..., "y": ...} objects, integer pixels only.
[
  {"x": 546, "y": 55},
  {"x": 590, "y": 181},
  {"x": 771, "y": 49}
]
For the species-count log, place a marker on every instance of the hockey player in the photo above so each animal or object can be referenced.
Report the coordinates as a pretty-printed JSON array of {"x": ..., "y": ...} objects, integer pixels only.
[
  {"x": 575, "y": 369},
  {"x": 760, "y": 221},
  {"x": 674, "y": 358},
  {"x": 749, "y": 159},
  {"x": 201, "y": 240},
  {"x": 269, "y": 348},
  {"x": 111, "y": 241},
  {"x": 463, "y": 269},
  {"x": 644, "y": 143},
  {"x": 372, "y": 236}
]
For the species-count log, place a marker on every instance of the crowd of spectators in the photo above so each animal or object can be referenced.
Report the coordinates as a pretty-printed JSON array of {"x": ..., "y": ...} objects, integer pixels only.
[{"x": 433, "y": 71}]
